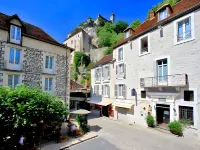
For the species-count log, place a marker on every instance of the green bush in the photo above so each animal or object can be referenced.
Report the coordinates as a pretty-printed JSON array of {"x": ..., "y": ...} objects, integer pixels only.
[
  {"x": 108, "y": 51},
  {"x": 150, "y": 121},
  {"x": 83, "y": 123},
  {"x": 22, "y": 107},
  {"x": 75, "y": 76},
  {"x": 176, "y": 127}
]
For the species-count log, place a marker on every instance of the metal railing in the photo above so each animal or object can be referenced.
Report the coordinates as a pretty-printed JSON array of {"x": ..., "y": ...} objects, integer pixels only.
[{"x": 177, "y": 80}]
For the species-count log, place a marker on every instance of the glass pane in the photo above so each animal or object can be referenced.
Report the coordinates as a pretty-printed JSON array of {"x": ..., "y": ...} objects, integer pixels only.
[
  {"x": 18, "y": 34},
  {"x": 16, "y": 80},
  {"x": 17, "y": 57},
  {"x": 160, "y": 74},
  {"x": 10, "y": 80},
  {"x": 165, "y": 72},
  {"x": 51, "y": 63},
  {"x": 47, "y": 62},
  {"x": 180, "y": 31},
  {"x": 11, "y": 56},
  {"x": 187, "y": 28},
  {"x": 13, "y": 32},
  {"x": 46, "y": 84},
  {"x": 50, "y": 84}
]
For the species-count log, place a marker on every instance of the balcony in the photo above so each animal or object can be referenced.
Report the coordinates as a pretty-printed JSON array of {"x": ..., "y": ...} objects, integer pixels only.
[
  {"x": 9, "y": 65},
  {"x": 177, "y": 80}
]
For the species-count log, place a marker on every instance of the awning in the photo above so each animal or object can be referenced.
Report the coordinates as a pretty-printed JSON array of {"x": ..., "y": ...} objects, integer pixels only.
[
  {"x": 102, "y": 103},
  {"x": 123, "y": 105},
  {"x": 80, "y": 112}
]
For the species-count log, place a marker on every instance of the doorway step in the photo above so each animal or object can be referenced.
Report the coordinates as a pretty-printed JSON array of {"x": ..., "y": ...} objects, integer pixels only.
[{"x": 163, "y": 129}]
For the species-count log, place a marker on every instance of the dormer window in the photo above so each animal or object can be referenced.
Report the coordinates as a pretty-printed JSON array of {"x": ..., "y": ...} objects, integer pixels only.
[
  {"x": 127, "y": 34},
  {"x": 163, "y": 14},
  {"x": 15, "y": 34}
]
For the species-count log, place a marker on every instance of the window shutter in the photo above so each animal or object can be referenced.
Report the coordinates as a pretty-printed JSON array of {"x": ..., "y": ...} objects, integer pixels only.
[
  {"x": 102, "y": 73},
  {"x": 117, "y": 71},
  {"x": 108, "y": 91},
  {"x": 116, "y": 91},
  {"x": 124, "y": 91},
  {"x": 124, "y": 67},
  {"x": 102, "y": 92},
  {"x": 109, "y": 72}
]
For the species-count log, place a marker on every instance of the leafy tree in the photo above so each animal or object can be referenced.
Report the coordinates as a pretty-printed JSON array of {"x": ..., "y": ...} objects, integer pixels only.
[
  {"x": 75, "y": 76},
  {"x": 120, "y": 26},
  {"x": 135, "y": 24},
  {"x": 81, "y": 58},
  {"x": 101, "y": 22},
  {"x": 107, "y": 36}
]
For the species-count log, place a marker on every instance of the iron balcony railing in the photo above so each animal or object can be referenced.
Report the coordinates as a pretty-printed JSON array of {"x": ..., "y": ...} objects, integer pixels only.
[{"x": 177, "y": 80}]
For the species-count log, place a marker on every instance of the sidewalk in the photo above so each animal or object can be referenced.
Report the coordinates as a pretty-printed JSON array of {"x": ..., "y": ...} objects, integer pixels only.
[{"x": 71, "y": 142}]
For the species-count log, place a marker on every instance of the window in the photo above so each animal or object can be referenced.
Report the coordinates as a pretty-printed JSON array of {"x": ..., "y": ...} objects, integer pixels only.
[
  {"x": 144, "y": 45},
  {"x": 186, "y": 113},
  {"x": 143, "y": 94},
  {"x": 120, "y": 70},
  {"x": 98, "y": 74},
  {"x": 105, "y": 90},
  {"x": 13, "y": 80},
  {"x": 49, "y": 62},
  {"x": 162, "y": 70},
  {"x": 15, "y": 34},
  {"x": 131, "y": 45},
  {"x": 184, "y": 30},
  {"x": 163, "y": 14},
  {"x": 161, "y": 32},
  {"x": 120, "y": 91},
  {"x": 106, "y": 73},
  {"x": 188, "y": 95},
  {"x": 120, "y": 54},
  {"x": 127, "y": 34},
  {"x": 49, "y": 85},
  {"x": 96, "y": 90},
  {"x": 14, "y": 56}
]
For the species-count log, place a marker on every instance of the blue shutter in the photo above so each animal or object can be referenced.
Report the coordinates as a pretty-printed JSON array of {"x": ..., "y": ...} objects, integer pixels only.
[
  {"x": 46, "y": 84},
  {"x": 10, "y": 80},
  {"x": 17, "y": 57},
  {"x": 16, "y": 80},
  {"x": 187, "y": 28},
  {"x": 18, "y": 34},
  {"x": 11, "y": 56},
  {"x": 47, "y": 62}
]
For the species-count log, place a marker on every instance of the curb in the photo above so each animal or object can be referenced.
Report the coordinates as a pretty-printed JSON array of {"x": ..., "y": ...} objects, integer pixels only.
[{"x": 64, "y": 147}]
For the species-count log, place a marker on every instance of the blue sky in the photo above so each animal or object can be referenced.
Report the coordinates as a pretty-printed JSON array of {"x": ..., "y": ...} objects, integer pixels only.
[{"x": 59, "y": 17}]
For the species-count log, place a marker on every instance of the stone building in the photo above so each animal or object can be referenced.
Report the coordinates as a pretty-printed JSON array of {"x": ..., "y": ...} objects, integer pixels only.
[{"x": 29, "y": 55}]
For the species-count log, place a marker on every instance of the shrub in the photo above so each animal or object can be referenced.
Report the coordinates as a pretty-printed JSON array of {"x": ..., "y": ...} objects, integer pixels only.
[
  {"x": 109, "y": 50},
  {"x": 175, "y": 127},
  {"x": 150, "y": 121},
  {"x": 75, "y": 76},
  {"x": 83, "y": 123}
]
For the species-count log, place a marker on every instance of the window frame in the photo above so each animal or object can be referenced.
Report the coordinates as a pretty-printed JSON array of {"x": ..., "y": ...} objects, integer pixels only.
[
  {"x": 141, "y": 92},
  {"x": 193, "y": 113},
  {"x": 195, "y": 102},
  {"x": 127, "y": 34},
  {"x": 121, "y": 48},
  {"x": 52, "y": 91},
  {"x": 13, "y": 79},
  {"x": 149, "y": 44},
  {"x": 15, "y": 51},
  {"x": 164, "y": 17},
  {"x": 15, "y": 40},
  {"x": 191, "y": 16},
  {"x": 99, "y": 73},
  {"x": 106, "y": 90},
  {"x": 106, "y": 73}
]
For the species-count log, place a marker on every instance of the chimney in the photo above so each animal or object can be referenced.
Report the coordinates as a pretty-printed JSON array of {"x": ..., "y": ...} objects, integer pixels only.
[{"x": 152, "y": 15}]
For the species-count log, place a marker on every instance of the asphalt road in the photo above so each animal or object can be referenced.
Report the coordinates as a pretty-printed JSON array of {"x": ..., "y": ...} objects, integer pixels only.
[{"x": 94, "y": 144}]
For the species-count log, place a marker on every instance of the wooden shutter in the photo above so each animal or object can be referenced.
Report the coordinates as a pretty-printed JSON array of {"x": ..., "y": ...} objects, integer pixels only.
[
  {"x": 108, "y": 91},
  {"x": 109, "y": 72},
  {"x": 102, "y": 92},
  {"x": 124, "y": 66},
  {"x": 117, "y": 71},
  {"x": 124, "y": 91},
  {"x": 116, "y": 92},
  {"x": 102, "y": 73}
]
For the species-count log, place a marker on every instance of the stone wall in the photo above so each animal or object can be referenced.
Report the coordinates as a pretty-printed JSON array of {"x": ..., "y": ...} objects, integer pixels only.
[
  {"x": 97, "y": 54},
  {"x": 1, "y": 61},
  {"x": 32, "y": 67}
]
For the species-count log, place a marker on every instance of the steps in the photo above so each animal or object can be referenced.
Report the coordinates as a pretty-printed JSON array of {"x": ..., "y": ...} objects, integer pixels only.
[{"x": 162, "y": 129}]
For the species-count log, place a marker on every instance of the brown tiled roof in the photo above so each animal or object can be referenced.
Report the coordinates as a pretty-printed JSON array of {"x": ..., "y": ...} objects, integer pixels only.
[
  {"x": 29, "y": 30},
  {"x": 106, "y": 59},
  {"x": 75, "y": 85},
  {"x": 179, "y": 9}
]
